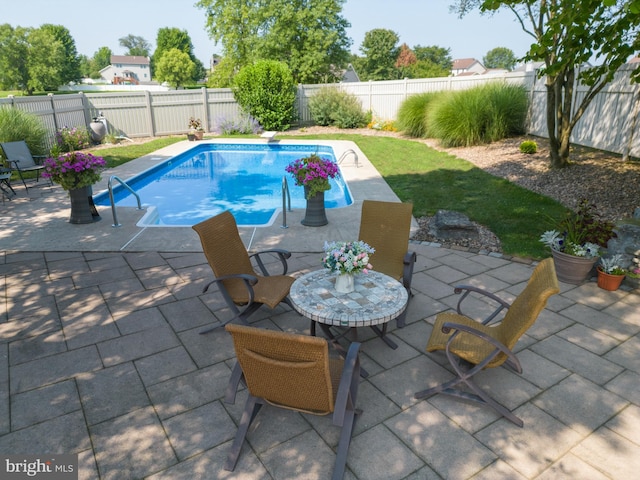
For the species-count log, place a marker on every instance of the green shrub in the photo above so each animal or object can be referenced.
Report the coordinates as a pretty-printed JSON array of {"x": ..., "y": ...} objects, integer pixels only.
[
  {"x": 72, "y": 139},
  {"x": 17, "y": 125},
  {"x": 479, "y": 115},
  {"x": 266, "y": 91},
  {"x": 528, "y": 146},
  {"x": 334, "y": 107},
  {"x": 412, "y": 114}
]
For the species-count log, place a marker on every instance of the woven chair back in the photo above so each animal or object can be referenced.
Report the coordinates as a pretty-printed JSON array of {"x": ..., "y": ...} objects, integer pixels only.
[
  {"x": 527, "y": 306},
  {"x": 285, "y": 369},
  {"x": 225, "y": 252},
  {"x": 386, "y": 226}
]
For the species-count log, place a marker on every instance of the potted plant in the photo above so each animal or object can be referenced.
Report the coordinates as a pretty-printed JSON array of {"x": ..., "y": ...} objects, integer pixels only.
[
  {"x": 347, "y": 259},
  {"x": 575, "y": 245},
  {"x": 313, "y": 173},
  {"x": 76, "y": 172},
  {"x": 610, "y": 273},
  {"x": 196, "y": 131},
  {"x": 632, "y": 277}
]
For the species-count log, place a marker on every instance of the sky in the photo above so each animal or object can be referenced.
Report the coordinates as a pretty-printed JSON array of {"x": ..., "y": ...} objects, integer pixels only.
[{"x": 417, "y": 22}]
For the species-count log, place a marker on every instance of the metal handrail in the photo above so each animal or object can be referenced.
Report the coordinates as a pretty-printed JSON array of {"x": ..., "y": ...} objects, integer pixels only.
[
  {"x": 286, "y": 201},
  {"x": 347, "y": 152},
  {"x": 113, "y": 203}
]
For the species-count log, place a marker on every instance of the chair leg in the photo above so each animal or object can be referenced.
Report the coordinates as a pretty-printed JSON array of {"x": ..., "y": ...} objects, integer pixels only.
[
  {"x": 251, "y": 409},
  {"x": 343, "y": 445}
]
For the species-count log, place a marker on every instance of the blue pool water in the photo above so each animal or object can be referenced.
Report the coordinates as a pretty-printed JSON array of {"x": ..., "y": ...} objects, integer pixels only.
[{"x": 210, "y": 178}]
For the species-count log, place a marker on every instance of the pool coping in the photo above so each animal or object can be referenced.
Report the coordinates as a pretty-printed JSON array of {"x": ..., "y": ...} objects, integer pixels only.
[{"x": 38, "y": 221}]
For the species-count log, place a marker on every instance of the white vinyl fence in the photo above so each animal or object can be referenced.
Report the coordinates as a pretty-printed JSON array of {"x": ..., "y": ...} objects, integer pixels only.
[{"x": 610, "y": 122}]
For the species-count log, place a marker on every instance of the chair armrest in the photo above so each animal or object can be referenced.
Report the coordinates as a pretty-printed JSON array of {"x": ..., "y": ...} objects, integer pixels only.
[
  {"x": 39, "y": 158},
  {"x": 249, "y": 281},
  {"x": 499, "y": 346},
  {"x": 283, "y": 255},
  {"x": 502, "y": 304},
  {"x": 348, "y": 389}
]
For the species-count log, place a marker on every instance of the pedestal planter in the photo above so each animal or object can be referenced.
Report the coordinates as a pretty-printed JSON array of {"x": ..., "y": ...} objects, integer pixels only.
[
  {"x": 83, "y": 210},
  {"x": 571, "y": 269},
  {"x": 345, "y": 283},
  {"x": 609, "y": 282},
  {"x": 315, "y": 215}
]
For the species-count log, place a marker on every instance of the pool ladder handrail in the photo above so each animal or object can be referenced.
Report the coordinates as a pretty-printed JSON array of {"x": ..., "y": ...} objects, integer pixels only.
[
  {"x": 286, "y": 201},
  {"x": 347, "y": 152},
  {"x": 113, "y": 203}
]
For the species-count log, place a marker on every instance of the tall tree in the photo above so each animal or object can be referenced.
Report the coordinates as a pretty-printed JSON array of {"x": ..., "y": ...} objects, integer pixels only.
[
  {"x": 45, "y": 56},
  {"x": 101, "y": 59},
  {"x": 567, "y": 34},
  {"x": 500, "y": 57},
  {"x": 175, "y": 67},
  {"x": 380, "y": 50},
  {"x": 135, "y": 45},
  {"x": 308, "y": 35},
  {"x": 169, "y": 38},
  {"x": 69, "y": 69},
  {"x": 406, "y": 58},
  {"x": 14, "y": 47},
  {"x": 437, "y": 55}
]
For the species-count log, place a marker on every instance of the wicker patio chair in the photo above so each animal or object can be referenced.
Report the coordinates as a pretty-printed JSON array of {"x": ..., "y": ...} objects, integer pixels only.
[
  {"x": 295, "y": 372},
  {"x": 472, "y": 346},
  {"x": 386, "y": 226},
  {"x": 236, "y": 277},
  {"x": 19, "y": 155}
]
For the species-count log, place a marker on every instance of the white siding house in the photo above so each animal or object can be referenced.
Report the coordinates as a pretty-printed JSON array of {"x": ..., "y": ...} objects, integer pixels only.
[
  {"x": 126, "y": 70},
  {"x": 467, "y": 66}
]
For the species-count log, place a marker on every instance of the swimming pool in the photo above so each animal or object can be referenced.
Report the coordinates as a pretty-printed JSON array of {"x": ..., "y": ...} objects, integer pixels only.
[{"x": 210, "y": 178}]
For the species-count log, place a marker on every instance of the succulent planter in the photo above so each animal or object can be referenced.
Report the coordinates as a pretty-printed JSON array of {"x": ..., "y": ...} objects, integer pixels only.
[{"x": 571, "y": 269}]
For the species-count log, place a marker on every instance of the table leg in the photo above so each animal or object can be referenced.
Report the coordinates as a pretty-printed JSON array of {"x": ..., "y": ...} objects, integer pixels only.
[
  {"x": 334, "y": 341},
  {"x": 383, "y": 335}
]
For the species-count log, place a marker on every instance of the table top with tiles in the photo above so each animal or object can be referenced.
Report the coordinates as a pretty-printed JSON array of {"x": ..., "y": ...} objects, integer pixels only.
[{"x": 377, "y": 299}]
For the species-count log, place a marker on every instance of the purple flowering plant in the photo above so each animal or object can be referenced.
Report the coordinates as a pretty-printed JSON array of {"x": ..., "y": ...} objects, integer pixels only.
[
  {"x": 74, "y": 170},
  {"x": 313, "y": 172}
]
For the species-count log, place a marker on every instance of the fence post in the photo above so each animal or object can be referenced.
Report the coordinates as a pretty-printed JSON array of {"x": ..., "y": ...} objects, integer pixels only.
[
  {"x": 205, "y": 108},
  {"x": 147, "y": 97},
  {"x": 53, "y": 110},
  {"x": 85, "y": 108}
]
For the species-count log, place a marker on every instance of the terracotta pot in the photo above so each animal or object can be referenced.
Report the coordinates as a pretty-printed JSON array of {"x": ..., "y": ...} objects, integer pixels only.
[
  {"x": 199, "y": 134},
  {"x": 609, "y": 282},
  {"x": 571, "y": 269}
]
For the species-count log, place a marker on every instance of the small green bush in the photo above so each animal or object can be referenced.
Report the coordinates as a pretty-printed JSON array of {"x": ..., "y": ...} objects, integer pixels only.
[
  {"x": 72, "y": 139},
  {"x": 334, "y": 107},
  {"x": 478, "y": 115},
  {"x": 266, "y": 91},
  {"x": 17, "y": 125},
  {"x": 412, "y": 114},
  {"x": 529, "y": 146}
]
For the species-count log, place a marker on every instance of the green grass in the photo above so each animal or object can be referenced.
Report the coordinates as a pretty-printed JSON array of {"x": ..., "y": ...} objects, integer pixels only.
[
  {"x": 434, "y": 180},
  {"x": 120, "y": 154}
]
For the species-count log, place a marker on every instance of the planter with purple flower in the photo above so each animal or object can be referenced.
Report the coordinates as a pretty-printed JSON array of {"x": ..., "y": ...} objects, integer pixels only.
[
  {"x": 313, "y": 173},
  {"x": 76, "y": 172}
]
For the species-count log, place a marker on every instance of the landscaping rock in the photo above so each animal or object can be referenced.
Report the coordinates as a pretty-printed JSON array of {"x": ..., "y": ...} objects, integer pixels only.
[{"x": 450, "y": 225}]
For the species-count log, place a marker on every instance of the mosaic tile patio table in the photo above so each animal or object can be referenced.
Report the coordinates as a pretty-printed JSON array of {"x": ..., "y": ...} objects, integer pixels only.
[{"x": 376, "y": 300}]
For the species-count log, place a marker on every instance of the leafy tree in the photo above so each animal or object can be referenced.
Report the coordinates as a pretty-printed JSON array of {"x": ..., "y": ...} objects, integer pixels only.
[
  {"x": 45, "y": 55},
  {"x": 169, "y": 38},
  {"x": 309, "y": 36},
  {"x": 439, "y": 56},
  {"x": 14, "y": 71},
  {"x": 69, "y": 68},
  {"x": 136, "y": 46},
  {"x": 222, "y": 75},
  {"x": 84, "y": 65},
  {"x": 380, "y": 51},
  {"x": 406, "y": 58},
  {"x": 101, "y": 59},
  {"x": 175, "y": 67},
  {"x": 500, "y": 57},
  {"x": 567, "y": 34},
  {"x": 426, "y": 69},
  {"x": 266, "y": 91}
]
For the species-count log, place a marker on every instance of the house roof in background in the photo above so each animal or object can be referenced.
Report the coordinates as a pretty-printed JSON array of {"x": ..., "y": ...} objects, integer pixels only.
[
  {"x": 131, "y": 60},
  {"x": 463, "y": 63}
]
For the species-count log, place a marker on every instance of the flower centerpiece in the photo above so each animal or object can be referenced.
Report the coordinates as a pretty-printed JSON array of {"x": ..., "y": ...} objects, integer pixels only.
[
  {"x": 610, "y": 273},
  {"x": 313, "y": 173},
  {"x": 196, "y": 130},
  {"x": 76, "y": 172},
  {"x": 576, "y": 244},
  {"x": 347, "y": 259}
]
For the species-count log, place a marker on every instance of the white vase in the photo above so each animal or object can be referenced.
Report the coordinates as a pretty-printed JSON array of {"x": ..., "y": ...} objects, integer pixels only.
[{"x": 345, "y": 283}]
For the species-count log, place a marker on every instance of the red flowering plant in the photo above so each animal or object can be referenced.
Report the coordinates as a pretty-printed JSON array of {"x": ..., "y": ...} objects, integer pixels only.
[
  {"x": 313, "y": 172},
  {"x": 74, "y": 170}
]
